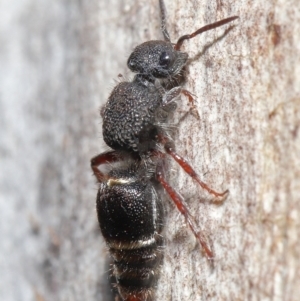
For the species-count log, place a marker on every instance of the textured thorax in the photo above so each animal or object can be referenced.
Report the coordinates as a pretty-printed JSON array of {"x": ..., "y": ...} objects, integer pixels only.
[{"x": 129, "y": 110}]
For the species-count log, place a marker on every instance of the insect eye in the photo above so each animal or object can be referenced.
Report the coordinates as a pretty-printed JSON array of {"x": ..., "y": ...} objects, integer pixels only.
[
  {"x": 164, "y": 59},
  {"x": 131, "y": 64}
]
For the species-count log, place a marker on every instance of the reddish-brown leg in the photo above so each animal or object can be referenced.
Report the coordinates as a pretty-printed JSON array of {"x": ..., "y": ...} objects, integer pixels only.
[
  {"x": 189, "y": 95},
  {"x": 104, "y": 158},
  {"x": 177, "y": 199},
  {"x": 187, "y": 167},
  {"x": 190, "y": 171},
  {"x": 175, "y": 92}
]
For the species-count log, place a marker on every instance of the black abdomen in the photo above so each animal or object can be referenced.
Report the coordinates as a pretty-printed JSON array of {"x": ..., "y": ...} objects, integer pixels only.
[{"x": 130, "y": 215}]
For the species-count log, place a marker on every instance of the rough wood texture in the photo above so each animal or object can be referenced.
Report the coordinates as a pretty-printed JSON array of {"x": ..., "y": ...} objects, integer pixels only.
[{"x": 58, "y": 61}]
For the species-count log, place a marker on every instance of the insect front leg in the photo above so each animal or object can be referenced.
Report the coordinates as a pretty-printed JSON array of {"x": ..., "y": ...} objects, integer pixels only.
[{"x": 172, "y": 94}]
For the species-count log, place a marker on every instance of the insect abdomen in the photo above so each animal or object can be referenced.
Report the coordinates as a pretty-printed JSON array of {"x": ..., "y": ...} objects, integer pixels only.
[
  {"x": 137, "y": 271},
  {"x": 130, "y": 218}
]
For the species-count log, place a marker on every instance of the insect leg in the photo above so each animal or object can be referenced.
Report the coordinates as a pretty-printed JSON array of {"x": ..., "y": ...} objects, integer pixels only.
[
  {"x": 170, "y": 95},
  {"x": 191, "y": 172},
  {"x": 104, "y": 158},
  {"x": 179, "y": 202},
  {"x": 188, "y": 168}
]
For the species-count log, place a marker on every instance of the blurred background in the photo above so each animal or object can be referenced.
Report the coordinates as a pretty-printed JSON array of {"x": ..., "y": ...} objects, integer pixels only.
[{"x": 56, "y": 72}]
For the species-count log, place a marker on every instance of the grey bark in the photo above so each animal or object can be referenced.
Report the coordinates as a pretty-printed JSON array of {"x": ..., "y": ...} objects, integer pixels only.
[{"x": 58, "y": 61}]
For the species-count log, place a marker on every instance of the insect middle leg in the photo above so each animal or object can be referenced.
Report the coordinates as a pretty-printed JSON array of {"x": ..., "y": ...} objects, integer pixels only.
[
  {"x": 188, "y": 168},
  {"x": 192, "y": 173}
]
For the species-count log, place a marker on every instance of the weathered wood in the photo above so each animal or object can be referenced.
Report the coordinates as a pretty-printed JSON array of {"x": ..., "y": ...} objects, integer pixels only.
[{"x": 58, "y": 61}]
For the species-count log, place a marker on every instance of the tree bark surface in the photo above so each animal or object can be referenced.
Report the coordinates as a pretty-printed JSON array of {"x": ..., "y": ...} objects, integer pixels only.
[{"x": 58, "y": 64}]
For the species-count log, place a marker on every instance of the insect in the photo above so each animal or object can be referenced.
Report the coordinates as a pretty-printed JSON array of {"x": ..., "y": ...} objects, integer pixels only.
[{"x": 130, "y": 212}]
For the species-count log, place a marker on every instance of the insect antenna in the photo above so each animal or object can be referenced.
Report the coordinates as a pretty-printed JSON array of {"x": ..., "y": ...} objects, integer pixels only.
[
  {"x": 163, "y": 21},
  {"x": 202, "y": 29}
]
